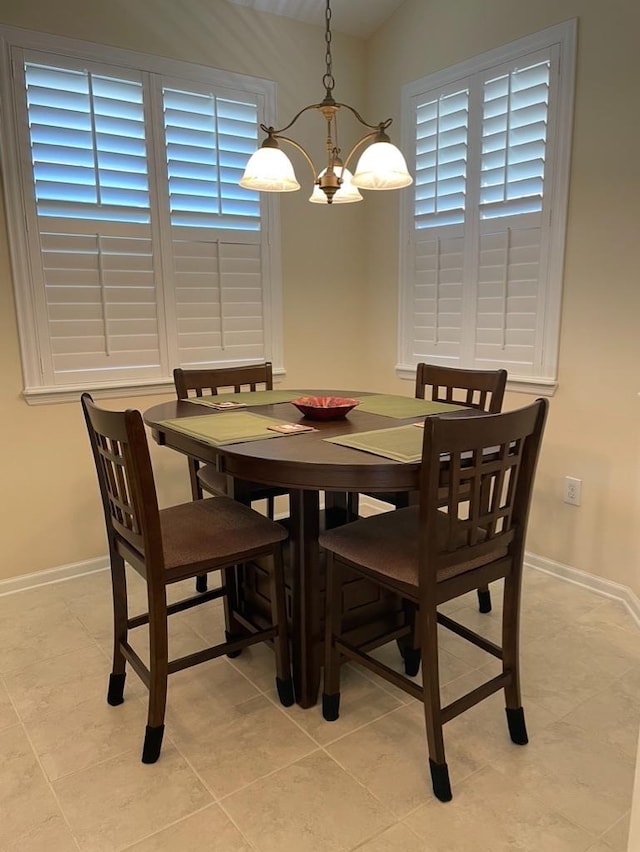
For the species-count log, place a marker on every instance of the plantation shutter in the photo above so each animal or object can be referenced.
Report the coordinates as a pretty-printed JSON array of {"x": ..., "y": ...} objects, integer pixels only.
[
  {"x": 476, "y": 262},
  {"x": 140, "y": 252},
  {"x": 217, "y": 254},
  {"x": 439, "y": 290},
  {"x": 511, "y": 271},
  {"x": 88, "y": 149},
  {"x": 441, "y": 160}
]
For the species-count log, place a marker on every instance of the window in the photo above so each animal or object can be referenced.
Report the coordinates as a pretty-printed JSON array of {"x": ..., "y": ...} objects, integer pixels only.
[
  {"x": 135, "y": 250},
  {"x": 482, "y": 233}
]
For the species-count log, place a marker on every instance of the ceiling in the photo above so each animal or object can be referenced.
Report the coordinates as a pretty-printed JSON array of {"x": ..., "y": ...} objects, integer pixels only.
[{"x": 357, "y": 17}]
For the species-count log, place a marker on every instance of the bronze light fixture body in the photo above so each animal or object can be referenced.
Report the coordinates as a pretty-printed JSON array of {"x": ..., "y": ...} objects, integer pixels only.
[{"x": 380, "y": 167}]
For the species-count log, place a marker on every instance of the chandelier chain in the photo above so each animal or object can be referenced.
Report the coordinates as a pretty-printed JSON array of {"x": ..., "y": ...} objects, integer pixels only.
[{"x": 327, "y": 79}]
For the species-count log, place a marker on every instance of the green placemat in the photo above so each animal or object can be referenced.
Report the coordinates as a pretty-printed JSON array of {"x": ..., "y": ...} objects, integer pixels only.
[
  {"x": 249, "y": 398},
  {"x": 401, "y": 443},
  {"x": 227, "y": 427},
  {"x": 402, "y": 407}
]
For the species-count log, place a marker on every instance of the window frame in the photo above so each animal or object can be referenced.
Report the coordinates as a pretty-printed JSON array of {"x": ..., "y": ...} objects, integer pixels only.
[
  {"x": 561, "y": 37},
  {"x": 16, "y": 166}
]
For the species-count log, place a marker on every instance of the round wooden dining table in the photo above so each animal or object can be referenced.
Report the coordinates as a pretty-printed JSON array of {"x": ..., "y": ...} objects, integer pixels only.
[{"x": 306, "y": 465}]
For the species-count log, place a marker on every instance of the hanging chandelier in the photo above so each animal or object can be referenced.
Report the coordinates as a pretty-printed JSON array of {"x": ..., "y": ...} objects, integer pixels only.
[{"x": 381, "y": 164}]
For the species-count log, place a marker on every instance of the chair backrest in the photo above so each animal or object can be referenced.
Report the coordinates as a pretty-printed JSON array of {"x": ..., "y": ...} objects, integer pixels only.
[
  {"x": 224, "y": 379},
  {"x": 483, "y": 389},
  {"x": 489, "y": 481},
  {"x": 125, "y": 476}
]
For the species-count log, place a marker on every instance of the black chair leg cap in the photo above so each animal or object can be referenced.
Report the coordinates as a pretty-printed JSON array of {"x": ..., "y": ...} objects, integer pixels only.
[
  {"x": 285, "y": 691},
  {"x": 330, "y": 706},
  {"x": 440, "y": 781},
  {"x": 411, "y": 658},
  {"x": 115, "y": 693},
  {"x": 230, "y": 638},
  {"x": 517, "y": 727},
  {"x": 152, "y": 744},
  {"x": 201, "y": 583},
  {"x": 484, "y": 600}
]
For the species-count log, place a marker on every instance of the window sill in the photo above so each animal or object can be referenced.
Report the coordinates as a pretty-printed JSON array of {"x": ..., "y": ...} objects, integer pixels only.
[
  {"x": 72, "y": 393},
  {"x": 523, "y": 384}
]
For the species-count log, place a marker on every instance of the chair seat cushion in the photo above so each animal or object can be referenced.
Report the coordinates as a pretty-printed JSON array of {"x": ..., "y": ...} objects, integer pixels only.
[
  {"x": 216, "y": 483},
  {"x": 387, "y": 545},
  {"x": 205, "y": 532}
]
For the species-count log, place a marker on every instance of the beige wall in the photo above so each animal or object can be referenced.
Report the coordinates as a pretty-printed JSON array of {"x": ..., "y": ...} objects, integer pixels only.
[
  {"x": 50, "y": 510},
  {"x": 340, "y": 266},
  {"x": 593, "y": 430}
]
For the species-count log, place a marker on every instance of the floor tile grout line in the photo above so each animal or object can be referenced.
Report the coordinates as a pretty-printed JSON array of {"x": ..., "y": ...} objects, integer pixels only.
[
  {"x": 46, "y": 778},
  {"x": 166, "y": 827}
]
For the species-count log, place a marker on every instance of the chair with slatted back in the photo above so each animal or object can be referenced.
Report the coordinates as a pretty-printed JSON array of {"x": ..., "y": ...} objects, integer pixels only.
[
  {"x": 199, "y": 382},
  {"x": 439, "y": 550},
  {"x": 167, "y": 546},
  {"x": 480, "y": 389}
]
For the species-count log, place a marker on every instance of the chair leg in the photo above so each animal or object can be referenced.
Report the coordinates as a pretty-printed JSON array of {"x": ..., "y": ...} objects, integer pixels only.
[
  {"x": 284, "y": 681},
  {"x": 409, "y": 646},
  {"x": 233, "y": 629},
  {"x": 115, "y": 693},
  {"x": 511, "y": 660},
  {"x": 333, "y": 624},
  {"x": 484, "y": 599},
  {"x": 201, "y": 583},
  {"x": 432, "y": 707},
  {"x": 158, "y": 673}
]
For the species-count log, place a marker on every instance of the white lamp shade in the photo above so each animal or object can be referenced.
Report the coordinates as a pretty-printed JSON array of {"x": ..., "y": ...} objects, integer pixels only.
[
  {"x": 382, "y": 166},
  {"x": 269, "y": 170},
  {"x": 345, "y": 195}
]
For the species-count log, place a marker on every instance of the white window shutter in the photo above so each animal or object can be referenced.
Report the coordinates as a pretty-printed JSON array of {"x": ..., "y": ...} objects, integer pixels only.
[
  {"x": 217, "y": 265},
  {"x": 441, "y": 159},
  {"x": 95, "y": 258},
  {"x": 88, "y": 145},
  {"x": 482, "y": 257},
  {"x": 208, "y": 142},
  {"x": 218, "y": 299},
  {"x": 514, "y": 135},
  {"x": 438, "y": 303},
  {"x": 508, "y": 299},
  {"x": 100, "y": 296},
  {"x": 140, "y": 250}
]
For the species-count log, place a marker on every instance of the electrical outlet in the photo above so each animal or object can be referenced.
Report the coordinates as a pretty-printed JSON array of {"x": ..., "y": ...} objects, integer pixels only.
[{"x": 572, "y": 491}]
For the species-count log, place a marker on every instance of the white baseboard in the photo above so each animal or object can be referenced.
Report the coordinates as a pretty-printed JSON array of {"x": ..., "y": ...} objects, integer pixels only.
[
  {"x": 599, "y": 585},
  {"x": 52, "y": 575}
]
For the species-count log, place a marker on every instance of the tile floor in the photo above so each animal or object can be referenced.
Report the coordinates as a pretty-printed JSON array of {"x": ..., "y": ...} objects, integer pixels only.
[{"x": 238, "y": 772}]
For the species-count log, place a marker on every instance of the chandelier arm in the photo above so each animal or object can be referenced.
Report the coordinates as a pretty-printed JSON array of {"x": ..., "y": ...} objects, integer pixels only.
[
  {"x": 273, "y": 132},
  {"x": 382, "y": 125},
  {"x": 298, "y": 147}
]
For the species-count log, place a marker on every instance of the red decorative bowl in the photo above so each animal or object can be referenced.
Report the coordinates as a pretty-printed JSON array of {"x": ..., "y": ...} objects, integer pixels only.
[{"x": 325, "y": 407}]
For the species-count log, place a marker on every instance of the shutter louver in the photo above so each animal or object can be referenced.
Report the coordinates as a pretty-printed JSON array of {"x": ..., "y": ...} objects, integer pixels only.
[
  {"x": 209, "y": 140},
  {"x": 514, "y": 135},
  {"x": 441, "y": 160}
]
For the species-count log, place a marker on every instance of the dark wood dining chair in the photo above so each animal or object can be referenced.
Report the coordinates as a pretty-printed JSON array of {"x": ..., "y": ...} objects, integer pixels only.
[
  {"x": 480, "y": 389},
  {"x": 198, "y": 382},
  {"x": 167, "y": 546},
  {"x": 434, "y": 552}
]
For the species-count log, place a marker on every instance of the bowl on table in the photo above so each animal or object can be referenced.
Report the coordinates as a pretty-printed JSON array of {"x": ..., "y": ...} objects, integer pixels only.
[{"x": 325, "y": 407}]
